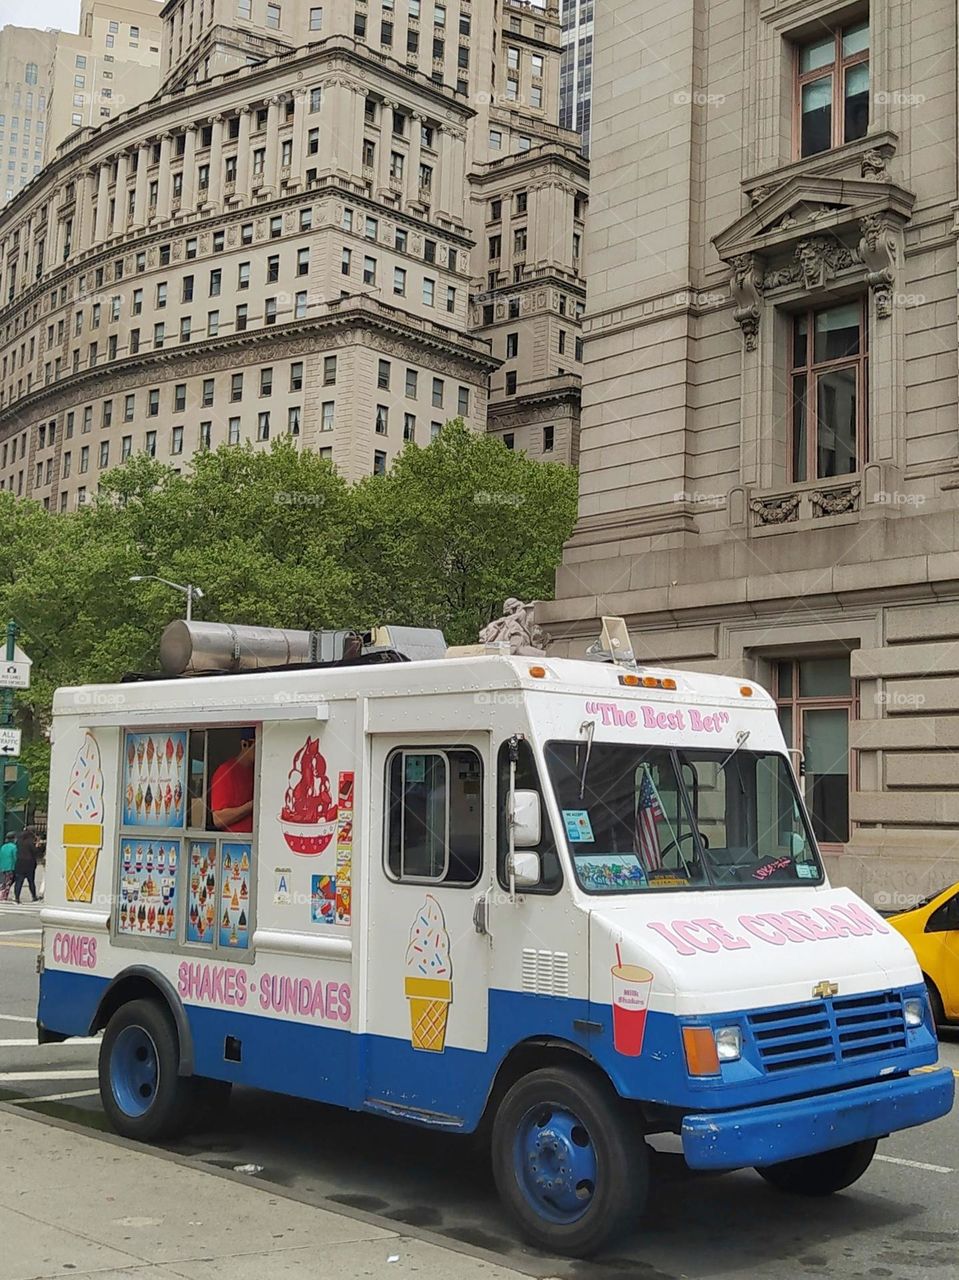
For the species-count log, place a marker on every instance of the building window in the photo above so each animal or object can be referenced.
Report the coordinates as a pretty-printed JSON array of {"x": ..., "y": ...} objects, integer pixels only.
[
  {"x": 429, "y": 291},
  {"x": 206, "y": 432},
  {"x": 438, "y": 393},
  {"x": 126, "y": 448},
  {"x": 300, "y": 304},
  {"x": 316, "y": 19},
  {"x": 302, "y": 262},
  {"x": 369, "y": 271},
  {"x": 233, "y": 431},
  {"x": 412, "y": 380},
  {"x": 273, "y": 17},
  {"x": 463, "y": 402},
  {"x": 816, "y": 699},
  {"x": 263, "y": 425},
  {"x": 150, "y": 447},
  {"x": 236, "y": 386},
  {"x": 269, "y": 311},
  {"x": 399, "y": 281},
  {"x": 409, "y": 427},
  {"x": 296, "y": 375},
  {"x": 383, "y": 375},
  {"x": 549, "y": 435},
  {"x": 828, "y": 392},
  {"x": 512, "y": 346},
  {"x": 176, "y": 440},
  {"x": 207, "y": 393},
  {"x": 833, "y": 88},
  {"x": 496, "y": 139},
  {"x": 345, "y": 258},
  {"x": 266, "y": 381},
  {"x": 129, "y": 406},
  {"x": 293, "y": 420},
  {"x": 379, "y": 463},
  {"x": 326, "y": 416},
  {"x": 382, "y": 419},
  {"x": 511, "y": 383}
]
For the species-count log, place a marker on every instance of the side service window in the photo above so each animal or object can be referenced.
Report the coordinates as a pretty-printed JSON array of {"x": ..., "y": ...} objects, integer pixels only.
[
  {"x": 527, "y": 779},
  {"x": 186, "y": 869},
  {"x": 434, "y": 821}
]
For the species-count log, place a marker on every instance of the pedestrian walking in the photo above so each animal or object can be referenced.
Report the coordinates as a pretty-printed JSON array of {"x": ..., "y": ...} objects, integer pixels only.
[
  {"x": 8, "y": 860},
  {"x": 25, "y": 868}
]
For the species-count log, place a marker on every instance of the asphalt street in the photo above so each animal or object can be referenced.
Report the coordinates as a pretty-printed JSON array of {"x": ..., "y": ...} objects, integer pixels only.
[{"x": 899, "y": 1221}]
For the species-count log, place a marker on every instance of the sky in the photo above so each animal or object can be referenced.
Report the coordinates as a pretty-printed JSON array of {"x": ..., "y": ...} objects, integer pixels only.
[{"x": 64, "y": 14}]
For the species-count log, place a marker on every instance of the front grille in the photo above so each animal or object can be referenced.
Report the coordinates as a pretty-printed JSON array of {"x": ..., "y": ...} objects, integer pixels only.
[{"x": 828, "y": 1032}]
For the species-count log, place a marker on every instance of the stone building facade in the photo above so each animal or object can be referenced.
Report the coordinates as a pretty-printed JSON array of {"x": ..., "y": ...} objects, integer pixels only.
[
  {"x": 26, "y": 72},
  {"x": 292, "y": 237},
  {"x": 769, "y": 452},
  {"x": 109, "y": 66}
]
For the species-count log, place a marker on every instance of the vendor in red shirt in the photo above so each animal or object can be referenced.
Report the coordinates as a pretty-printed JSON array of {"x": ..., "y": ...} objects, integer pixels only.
[{"x": 231, "y": 789}]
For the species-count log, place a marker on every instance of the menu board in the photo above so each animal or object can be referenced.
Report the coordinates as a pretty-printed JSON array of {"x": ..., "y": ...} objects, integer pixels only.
[
  {"x": 154, "y": 787},
  {"x": 148, "y": 875},
  {"x": 201, "y": 894},
  {"x": 236, "y": 860}
]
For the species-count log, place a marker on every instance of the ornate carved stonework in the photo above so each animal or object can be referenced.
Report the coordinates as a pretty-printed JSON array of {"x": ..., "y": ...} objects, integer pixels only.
[
  {"x": 518, "y": 629},
  {"x": 775, "y": 510},
  {"x": 877, "y": 248},
  {"x": 820, "y": 257},
  {"x": 873, "y": 166},
  {"x": 746, "y": 287},
  {"x": 836, "y": 501}
]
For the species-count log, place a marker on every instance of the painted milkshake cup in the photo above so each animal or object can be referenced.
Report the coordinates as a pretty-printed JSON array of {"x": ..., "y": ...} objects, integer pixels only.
[{"x": 631, "y": 988}]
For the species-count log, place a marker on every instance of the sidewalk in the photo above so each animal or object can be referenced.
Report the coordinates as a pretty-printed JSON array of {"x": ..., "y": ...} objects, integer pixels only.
[{"x": 74, "y": 1205}]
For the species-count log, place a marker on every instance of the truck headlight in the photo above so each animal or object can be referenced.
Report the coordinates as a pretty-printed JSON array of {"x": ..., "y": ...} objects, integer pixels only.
[
  {"x": 729, "y": 1044},
  {"x": 913, "y": 1011}
]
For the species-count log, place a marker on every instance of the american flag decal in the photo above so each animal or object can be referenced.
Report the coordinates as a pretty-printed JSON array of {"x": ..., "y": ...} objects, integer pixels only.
[{"x": 648, "y": 815}]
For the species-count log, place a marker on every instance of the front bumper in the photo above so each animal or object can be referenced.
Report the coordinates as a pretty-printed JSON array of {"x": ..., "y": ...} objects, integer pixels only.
[{"x": 804, "y": 1126}]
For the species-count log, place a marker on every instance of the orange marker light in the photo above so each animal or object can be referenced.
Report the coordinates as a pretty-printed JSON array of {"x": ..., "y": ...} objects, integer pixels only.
[
  {"x": 700, "y": 1049},
  {"x": 669, "y": 683},
  {"x": 650, "y": 682},
  {"x": 631, "y": 681},
  {"x": 745, "y": 690},
  {"x": 538, "y": 672}
]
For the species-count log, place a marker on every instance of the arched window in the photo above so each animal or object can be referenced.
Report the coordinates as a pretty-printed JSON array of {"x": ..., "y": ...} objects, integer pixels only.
[{"x": 31, "y": 73}]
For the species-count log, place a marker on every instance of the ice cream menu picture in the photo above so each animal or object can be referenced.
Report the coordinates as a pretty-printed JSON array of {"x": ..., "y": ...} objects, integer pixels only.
[
  {"x": 234, "y": 909},
  {"x": 148, "y": 870},
  {"x": 154, "y": 789},
  {"x": 83, "y": 822}
]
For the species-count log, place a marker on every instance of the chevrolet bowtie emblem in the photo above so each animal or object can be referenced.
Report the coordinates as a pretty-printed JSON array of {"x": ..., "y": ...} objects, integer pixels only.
[{"x": 824, "y": 989}]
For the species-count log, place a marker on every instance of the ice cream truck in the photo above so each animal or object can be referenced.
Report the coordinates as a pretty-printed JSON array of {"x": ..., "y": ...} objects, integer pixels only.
[{"x": 570, "y": 904}]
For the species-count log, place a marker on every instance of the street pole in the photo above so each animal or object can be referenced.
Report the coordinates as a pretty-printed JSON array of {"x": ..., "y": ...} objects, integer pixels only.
[
  {"x": 6, "y": 719},
  {"x": 189, "y": 602}
]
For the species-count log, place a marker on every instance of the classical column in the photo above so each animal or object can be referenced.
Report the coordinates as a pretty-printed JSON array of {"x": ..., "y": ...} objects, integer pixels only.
[
  {"x": 102, "y": 228},
  {"x": 414, "y": 160},
  {"x": 215, "y": 189},
  {"x": 120, "y": 196},
  {"x": 386, "y": 146},
  {"x": 443, "y": 174},
  {"x": 188, "y": 198},
  {"x": 83, "y": 218},
  {"x": 457, "y": 157},
  {"x": 298, "y": 162},
  {"x": 140, "y": 211},
  {"x": 243, "y": 157},
  {"x": 272, "y": 157},
  {"x": 164, "y": 185},
  {"x": 334, "y": 120}
]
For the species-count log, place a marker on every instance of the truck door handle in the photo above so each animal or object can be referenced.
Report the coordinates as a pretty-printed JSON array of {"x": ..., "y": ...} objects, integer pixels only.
[{"x": 481, "y": 914}]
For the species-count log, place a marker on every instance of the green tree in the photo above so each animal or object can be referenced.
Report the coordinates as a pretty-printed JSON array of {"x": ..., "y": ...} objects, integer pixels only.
[{"x": 453, "y": 529}]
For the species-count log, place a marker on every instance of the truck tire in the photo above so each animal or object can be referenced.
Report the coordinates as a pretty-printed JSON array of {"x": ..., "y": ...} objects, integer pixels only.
[
  {"x": 142, "y": 1094},
  {"x": 569, "y": 1161},
  {"x": 822, "y": 1174}
]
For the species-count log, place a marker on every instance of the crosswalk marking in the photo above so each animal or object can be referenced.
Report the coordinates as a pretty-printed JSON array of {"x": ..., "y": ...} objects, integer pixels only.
[
  {"x": 15, "y": 1017},
  {"x": 32, "y": 1044},
  {"x": 58, "y": 1097},
  {"x": 20, "y": 1077},
  {"x": 915, "y": 1164}
]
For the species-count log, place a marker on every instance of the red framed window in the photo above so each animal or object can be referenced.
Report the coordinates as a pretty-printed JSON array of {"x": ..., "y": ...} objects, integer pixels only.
[
  {"x": 816, "y": 699},
  {"x": 829, "y": 392},
  {"x": 832, "y": 88}
]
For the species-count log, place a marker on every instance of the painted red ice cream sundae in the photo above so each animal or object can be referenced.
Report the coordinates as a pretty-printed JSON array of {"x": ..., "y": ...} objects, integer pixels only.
[{"x": 308, "y": 817}]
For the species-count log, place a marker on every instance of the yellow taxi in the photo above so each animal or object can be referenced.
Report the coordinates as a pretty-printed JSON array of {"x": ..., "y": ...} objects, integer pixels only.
[{"x": 932, "y": 929}]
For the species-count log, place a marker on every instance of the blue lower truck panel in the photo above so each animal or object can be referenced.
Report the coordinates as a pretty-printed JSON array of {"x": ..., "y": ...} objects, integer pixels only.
[{"x": 380, "y": 1073}]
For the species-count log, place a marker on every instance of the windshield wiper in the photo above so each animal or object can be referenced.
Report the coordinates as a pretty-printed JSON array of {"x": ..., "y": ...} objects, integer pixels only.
[
  {"x": 590, "y": 728},
  {"x": 742, "y": 738}
]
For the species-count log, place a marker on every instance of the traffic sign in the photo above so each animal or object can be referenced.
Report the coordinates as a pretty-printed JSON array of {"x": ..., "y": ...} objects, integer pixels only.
[
  {"x": 14, "y": 675},
  {"x": 9, "y": 742}
]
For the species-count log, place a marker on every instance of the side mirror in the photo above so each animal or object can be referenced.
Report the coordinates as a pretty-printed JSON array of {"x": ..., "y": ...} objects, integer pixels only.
[
  {"x": 527, "y": 824},
  {"x": 526, "y": 869}
]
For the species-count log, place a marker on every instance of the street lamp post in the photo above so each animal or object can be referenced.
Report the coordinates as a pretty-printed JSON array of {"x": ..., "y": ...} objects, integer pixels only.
[{"x": 189, "y": 590}]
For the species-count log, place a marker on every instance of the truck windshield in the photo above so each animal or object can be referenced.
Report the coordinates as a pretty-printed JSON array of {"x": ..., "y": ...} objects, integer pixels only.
[{"x": 639, "y": 818}]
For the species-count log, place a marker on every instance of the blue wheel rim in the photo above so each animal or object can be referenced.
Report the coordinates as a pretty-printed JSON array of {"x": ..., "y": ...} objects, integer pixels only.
[
  {"x": 555, "y": 1163},
  {"x": 134, "y": 1071}
]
